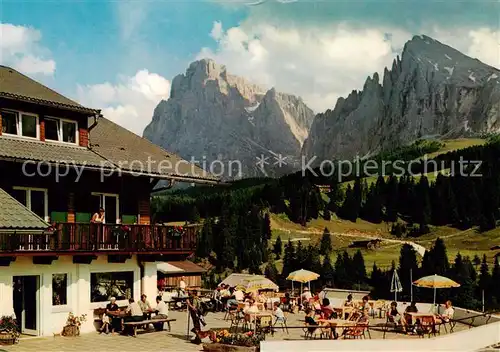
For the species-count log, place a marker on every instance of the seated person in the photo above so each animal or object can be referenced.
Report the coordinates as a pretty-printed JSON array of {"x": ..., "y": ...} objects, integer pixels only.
[
  {"x": 106, "y": 326},
  {"x": 135, "y": 312},
  {"x": 365, "y": 305},
  {"x": 161, "y": 312},
  {"x": 251, "y": 307},
  {"x": 278, "y": 313},
  {"x": 349, "y": 302},
  {"x": 394, "y": 316},
  {"x": 145, "y": 306},
  {"x": 447, "y": 314},
  {"x": 327, "y": 311},
  {"x": 310, "y": 320},
  {"x": 238, "y": 296},
  {"x": 305, "y": 297},
  {"x": 412, "y": 308}
]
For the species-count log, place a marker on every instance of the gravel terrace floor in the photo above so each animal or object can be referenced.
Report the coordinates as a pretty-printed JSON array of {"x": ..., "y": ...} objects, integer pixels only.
[{"x": 167, "y": 341}]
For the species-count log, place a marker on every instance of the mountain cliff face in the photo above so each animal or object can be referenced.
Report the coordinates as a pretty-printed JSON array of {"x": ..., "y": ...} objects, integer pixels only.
[
  {"x": 433, "y": 90},
  {"x": 212, "y": 115}
]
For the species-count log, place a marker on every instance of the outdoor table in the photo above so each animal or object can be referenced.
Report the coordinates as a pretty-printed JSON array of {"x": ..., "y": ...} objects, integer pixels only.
[
  {"x": 414, "y": 316},
  {"x": 257, "y": 316},
  {"x": 336, "y": 322}
]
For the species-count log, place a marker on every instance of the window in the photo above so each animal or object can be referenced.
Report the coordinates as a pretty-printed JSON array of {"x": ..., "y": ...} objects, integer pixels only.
[
  {"x": 110, "y": 203},
  {"x": 52, "y": 129},
  {"x": 59, "y": 289},
  {"x": 20, "y": 124},
  {"x": 61, "y": 130},
  {"x": 35, "y": 199},
  {"x": 9, "y": 122},
  {"x": 103, "y": 286}
]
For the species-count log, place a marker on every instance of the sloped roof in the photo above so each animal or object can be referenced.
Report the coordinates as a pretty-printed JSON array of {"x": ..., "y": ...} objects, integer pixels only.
[
  {"x": 188, "y": 267},
  {"x": 15, "y": 216},
  {"x": 15, "y": 85},
  {"x": 25, "y": 149},
  {"x": 130, "y": 152}
]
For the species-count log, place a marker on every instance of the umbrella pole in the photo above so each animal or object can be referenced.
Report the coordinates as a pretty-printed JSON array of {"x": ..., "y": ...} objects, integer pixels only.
[
  {"x": 411, "y": 285},
  {"x": 435, "y": 298}
]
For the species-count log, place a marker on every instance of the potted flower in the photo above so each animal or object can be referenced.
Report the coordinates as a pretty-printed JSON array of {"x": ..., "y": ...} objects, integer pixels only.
[
  {"x": 9, "y": 331},
  {"x": 224, "y": 341},
  {"x": 73, "y": 323},
  {"x": 176, "y": 232}
]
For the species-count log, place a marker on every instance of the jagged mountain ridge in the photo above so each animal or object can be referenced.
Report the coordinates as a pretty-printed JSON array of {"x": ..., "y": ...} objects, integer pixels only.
[
  {"x": 433, "y": 90},
  {"x": 212, "y": 115}
]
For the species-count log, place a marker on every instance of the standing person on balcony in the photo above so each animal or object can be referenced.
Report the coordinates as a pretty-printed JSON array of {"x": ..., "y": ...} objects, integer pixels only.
[
  {"x": 97, "y": 231},
  {"x": 98, "y": 217}
]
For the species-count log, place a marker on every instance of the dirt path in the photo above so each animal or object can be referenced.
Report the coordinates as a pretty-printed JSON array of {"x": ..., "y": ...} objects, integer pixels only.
[{"x": 418, "y": 248}]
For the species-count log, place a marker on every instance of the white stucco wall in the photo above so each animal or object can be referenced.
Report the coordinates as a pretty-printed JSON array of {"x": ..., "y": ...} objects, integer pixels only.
[{"x": 52, "y": 318}]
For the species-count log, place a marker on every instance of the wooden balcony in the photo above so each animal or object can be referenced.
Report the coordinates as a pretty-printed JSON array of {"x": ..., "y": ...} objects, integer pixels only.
[{"x": 87, "y": 238}]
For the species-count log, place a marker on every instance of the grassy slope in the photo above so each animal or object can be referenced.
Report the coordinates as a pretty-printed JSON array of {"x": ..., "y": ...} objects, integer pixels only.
[
  {"x": 450, "y": 144},
  {"x": 344, "y": 232}
]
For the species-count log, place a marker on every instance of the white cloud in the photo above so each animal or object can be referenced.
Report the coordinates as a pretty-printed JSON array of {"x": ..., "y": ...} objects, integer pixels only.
[
  {"x": 20, "y": 49},
  {"x": 130, "y": 102},
  {"x": 321, "y": 64}
]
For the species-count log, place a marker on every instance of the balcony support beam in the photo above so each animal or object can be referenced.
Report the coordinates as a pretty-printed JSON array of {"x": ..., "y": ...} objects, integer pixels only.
[
  {"x": 83, "y": 259},
  {"x": 44, "y": 260},
  {"x": 5, "y": 261}
]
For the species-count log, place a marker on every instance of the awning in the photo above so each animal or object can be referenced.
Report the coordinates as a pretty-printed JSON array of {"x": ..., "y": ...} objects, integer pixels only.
[
  {"x": 178, "y": 267},
  {"x": 166, "y": 268}
]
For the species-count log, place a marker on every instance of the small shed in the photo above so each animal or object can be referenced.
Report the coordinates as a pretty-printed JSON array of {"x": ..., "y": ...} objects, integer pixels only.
[
  {"x": 170, "y": 273},
  {"x": 368, "y": 244}
]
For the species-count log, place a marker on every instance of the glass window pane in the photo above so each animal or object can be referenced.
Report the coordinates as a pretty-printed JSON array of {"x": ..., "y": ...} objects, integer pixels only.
[
  {"x": 69, "y": 132},
  {"x": 38, "y": 203},
  {"x": 20, "y": 195},
  {"x": 52, "y": 129},
  {"x": 110, "y": 215},
  {"x": 29, "y": 125},
  {"x": 113, "y": 284},
  {"x": 9, "y": 122},
  {"x": 59, "y": 289}
]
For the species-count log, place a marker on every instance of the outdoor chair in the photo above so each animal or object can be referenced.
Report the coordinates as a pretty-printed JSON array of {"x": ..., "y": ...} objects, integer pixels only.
[
  {"x": 265, "y": 324},
  {"x": 237, "y": 318},
  {"x": 390, "y": 322},
  {"x": 427, "y": 326},
  {"x": 357, "y": 331},
  {"x": 282, "y": 322}
]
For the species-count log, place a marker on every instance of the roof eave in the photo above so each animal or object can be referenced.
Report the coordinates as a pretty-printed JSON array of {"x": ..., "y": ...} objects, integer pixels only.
[{"x": 27, "y": 99}]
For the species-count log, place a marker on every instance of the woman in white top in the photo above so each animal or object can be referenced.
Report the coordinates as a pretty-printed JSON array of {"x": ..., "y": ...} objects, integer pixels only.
[{"x": 98, "y": 217}]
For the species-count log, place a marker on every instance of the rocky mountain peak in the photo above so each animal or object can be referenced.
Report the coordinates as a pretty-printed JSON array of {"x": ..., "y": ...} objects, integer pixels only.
[
  {"x": 213, "y": 115},
  {"x": 432, "y": 90}
]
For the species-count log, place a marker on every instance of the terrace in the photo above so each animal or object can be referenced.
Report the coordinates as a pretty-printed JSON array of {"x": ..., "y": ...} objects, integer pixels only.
[
  {"x": 461, "y": 339},
  {"x": 91, "y": 238}
]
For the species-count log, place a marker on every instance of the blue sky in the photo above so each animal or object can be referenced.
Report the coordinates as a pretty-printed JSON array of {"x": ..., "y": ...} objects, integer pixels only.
[{"x": 121, "y": 55}]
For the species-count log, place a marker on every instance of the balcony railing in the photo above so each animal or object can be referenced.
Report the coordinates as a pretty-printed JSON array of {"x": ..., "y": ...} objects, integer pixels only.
[{"x": 90, "y": 237}]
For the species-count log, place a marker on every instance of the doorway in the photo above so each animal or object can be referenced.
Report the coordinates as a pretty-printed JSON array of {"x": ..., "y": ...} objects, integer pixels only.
[{"x": 26, "y": 303}]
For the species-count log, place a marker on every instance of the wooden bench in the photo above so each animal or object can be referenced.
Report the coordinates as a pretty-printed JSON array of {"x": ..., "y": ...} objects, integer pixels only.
[{"x": 135, "y": 324}]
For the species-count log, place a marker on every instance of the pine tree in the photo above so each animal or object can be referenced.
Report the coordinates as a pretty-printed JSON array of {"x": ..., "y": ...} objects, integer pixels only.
[
  {"x": 495, "y": 280},
  {"x": 271, "y": 272},
  {"x": 485, "y": 277},
  {"x": 336, "y": 195},
  {"x": 440, "y": 258},
  {"x": 359, "y": 269},
  {"x": 476, "y": 261},
  {"x": 289, "y": 260},
  {"x": 205, "y": 242},
  {"x": 266, "y": 227},
  {"x": 391, "y": 214},
  {"x": 195, "y": 215},
  {"x": 408, "y": 267},
  {"x": 278, "y": 247},
  {"x": 326, "y": 215},
  {"x": 341, "y": 276},
  {"x": 327, "y": 273},
  {"x": 326, "y": 243}
]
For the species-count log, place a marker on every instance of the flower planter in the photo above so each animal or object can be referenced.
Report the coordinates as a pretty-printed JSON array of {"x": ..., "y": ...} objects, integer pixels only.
[
  {"x": 220, "y": 347},
  {"x": 71, "y": 330},
  {"x": 7, "y": 338}
]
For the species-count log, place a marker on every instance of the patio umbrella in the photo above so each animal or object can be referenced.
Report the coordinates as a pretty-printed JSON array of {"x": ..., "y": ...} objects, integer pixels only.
[
  {"x": 435, "y": 281},
  {"x": 396, "y": 285},
  {"x": 302, "y": 276},
  {"x": 257, "y": 283}
]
